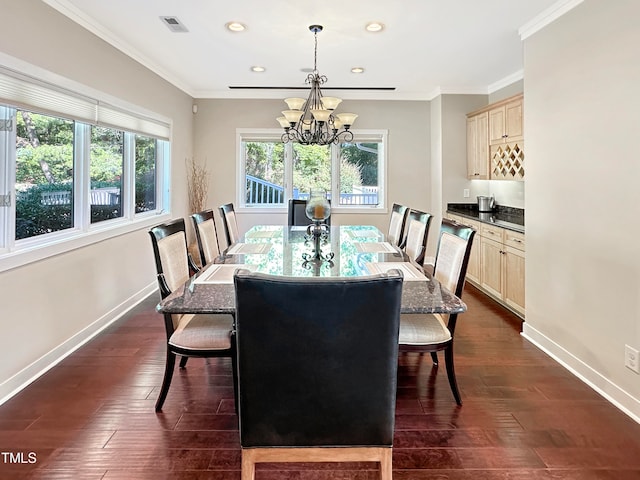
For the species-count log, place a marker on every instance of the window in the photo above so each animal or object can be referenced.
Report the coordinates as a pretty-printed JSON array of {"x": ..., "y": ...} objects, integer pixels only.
[
  {"x": 106, "y": 172},
  {"x": 44, "y": 174},
  {"x": 73, "y": 168},
  {"x": 271, "y": 172}
]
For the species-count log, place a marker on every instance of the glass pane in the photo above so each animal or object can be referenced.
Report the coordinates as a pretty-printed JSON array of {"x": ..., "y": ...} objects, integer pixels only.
[
  {"x": 359, "y": 180},
  {"x": 106, "y": 170},
  {"x": 264, "y": 172},
  {"x": 146, "y": 161},
  {"x": 44, "y": 174},
  {"x": 311, "y": 169}
]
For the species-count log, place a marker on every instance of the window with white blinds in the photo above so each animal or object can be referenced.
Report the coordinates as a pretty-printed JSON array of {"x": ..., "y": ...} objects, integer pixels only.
[
  {"x": 23, "y": 91},
  {"x": 75, "y": 169}
]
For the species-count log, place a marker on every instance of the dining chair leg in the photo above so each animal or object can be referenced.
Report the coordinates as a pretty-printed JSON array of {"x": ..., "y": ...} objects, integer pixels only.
[
  {"x": 248, "y": 468},
  {"x": 166, "y": 381},
  {"x": 183, "y": 362},
  {"x": 386, "y": 469},
  {"x": 451, "y": 373},
  {"x": 434, "y": 358}
]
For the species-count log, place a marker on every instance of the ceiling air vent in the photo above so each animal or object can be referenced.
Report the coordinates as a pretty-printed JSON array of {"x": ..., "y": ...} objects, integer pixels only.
[{"x": 174, "y": 24}]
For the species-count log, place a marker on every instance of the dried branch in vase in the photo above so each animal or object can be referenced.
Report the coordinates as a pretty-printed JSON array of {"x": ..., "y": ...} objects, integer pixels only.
[{"x": 197, "y": 184}]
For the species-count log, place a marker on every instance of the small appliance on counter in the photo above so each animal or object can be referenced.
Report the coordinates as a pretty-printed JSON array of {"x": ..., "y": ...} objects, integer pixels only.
[{"x": 486, "y": 204}]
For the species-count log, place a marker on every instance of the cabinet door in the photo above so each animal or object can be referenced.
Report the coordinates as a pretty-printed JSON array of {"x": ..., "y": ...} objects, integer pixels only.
[
  {"x": 473, "y": 268},
  {"x": 513, "y": 121},
  {"x": 491, "y": 266},
  {"x": 478, "y": 147},
  {"x": 514, "y": 279},
  {"x": 497, "y": 125}
]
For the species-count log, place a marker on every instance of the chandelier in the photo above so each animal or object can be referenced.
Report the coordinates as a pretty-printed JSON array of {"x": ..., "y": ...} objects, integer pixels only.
[{"x": 313, "y": 121}]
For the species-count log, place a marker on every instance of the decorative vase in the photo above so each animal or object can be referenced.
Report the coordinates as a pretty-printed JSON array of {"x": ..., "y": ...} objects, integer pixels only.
[{"x": 318, "y": 207}]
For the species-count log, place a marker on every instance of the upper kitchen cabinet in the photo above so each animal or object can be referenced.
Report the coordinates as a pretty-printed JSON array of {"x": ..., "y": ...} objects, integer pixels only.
[
  {"x": 478, "y": 146},
  {"x": 505, "y": 121},
  {"x": 495, "y": 141}
]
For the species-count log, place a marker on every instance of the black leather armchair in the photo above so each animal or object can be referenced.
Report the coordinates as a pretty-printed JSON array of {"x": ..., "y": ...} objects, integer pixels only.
[{"x": 317, "y": 367}]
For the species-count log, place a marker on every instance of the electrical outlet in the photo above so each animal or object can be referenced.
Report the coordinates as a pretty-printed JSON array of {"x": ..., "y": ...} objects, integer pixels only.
[
  {"x": 465, "y": 193},
  {"x": 631, "y": 359}
]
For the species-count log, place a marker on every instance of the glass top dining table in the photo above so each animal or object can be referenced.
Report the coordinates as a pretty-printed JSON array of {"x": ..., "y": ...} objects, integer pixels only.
[{"x": 344, "y": 251}]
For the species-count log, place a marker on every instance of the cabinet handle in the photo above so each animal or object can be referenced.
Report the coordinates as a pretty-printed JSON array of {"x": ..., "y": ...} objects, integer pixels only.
[
  {"x": 505, "y": 135},
  {"x": 516, "y": 240}
]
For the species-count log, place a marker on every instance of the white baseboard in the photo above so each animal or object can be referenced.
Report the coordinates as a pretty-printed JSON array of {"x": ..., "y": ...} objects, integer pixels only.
[
  {"x": 27, "y": 375},
  {"x": 609, "y": 390}
]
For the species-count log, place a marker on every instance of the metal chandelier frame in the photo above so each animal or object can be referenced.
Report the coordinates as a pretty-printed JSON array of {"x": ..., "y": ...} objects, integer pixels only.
[{"x": 313, "y": 121}]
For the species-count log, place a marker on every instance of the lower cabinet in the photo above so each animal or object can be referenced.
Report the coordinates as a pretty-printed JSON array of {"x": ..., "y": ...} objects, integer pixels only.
[{"x": 496, "y": 265}]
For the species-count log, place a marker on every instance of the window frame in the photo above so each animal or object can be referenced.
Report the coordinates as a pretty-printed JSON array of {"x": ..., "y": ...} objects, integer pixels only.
[
  {"x": 274, "y": 135},
  {"x": 15, "y": 253}
]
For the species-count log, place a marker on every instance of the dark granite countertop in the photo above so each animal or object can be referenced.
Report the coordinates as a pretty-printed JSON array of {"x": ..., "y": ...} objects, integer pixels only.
[{"x": 510, "y": 218}]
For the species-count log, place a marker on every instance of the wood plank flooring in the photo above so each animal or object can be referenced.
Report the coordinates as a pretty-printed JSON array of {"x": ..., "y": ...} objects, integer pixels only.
[{"x": 524, "y": 417}]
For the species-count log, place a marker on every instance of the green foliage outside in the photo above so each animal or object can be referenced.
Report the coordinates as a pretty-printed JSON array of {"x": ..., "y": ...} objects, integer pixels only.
[
  {"x": 312, "y": 165},
  {"x": 44, "y": 146}
]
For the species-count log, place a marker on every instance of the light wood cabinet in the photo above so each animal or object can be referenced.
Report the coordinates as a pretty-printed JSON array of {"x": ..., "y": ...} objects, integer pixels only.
[
  {"x": 499, "y": 127},
  {"x": 473, "y": 267},
  {"x": 505, "y": 122},
  {"x": 478, "y": 146},
  {"x": 497, "y": 262},
  {"x": 502, "y": 253}
]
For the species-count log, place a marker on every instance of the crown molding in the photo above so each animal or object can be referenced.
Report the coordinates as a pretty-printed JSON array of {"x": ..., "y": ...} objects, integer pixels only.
[
  {"x": 70, "y": 11},
  {"x": 506, "y": 81},
  {"x": 548, "y": 16}
]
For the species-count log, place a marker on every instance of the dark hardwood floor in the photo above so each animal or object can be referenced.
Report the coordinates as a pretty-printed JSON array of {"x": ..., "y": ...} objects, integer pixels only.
[{"x": 524, "y": 417}]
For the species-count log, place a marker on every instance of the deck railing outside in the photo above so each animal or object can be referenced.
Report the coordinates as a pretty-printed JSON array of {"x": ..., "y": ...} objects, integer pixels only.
[{"x": 260, "y": 192}]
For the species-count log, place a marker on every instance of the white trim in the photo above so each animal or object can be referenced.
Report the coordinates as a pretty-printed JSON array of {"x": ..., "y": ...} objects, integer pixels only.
[
  {"x": 67, "y": 241},
  {"x": 548, "y": 16},
  {"x": 27, "y": 375},
  {"x": 506, "y": 81},
  {"x": 601, "y": 384}
]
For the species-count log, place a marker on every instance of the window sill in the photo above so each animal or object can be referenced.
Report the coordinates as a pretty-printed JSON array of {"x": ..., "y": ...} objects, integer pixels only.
[{"x": 29, "y": 253}]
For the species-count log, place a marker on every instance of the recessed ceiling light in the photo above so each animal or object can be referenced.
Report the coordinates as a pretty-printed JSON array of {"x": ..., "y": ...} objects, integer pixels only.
[
  {"x": 235, "y": 27},
  {"x": 357, "y": 70},
  {"x": 374, "y": 27},
  {"x": 258, "y": 69}
]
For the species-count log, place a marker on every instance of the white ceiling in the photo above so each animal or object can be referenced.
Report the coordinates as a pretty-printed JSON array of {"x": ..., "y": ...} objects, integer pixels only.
[{"x": 427, "y": 46}]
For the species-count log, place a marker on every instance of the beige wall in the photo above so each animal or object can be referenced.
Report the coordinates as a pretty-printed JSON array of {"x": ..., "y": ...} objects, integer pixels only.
[
  {"x": 583, "y": 256},
  {"x": 48, "y": 307},
  {"x": 408, "y": 150}
]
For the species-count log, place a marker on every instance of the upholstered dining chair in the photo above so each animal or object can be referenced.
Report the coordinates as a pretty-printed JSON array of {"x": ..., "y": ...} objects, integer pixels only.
[
  {"x": 297, "y": 216},
  {"x": 317, "y": 368},
  {"x": 187, "y": 335},
  {"x": 206, "y": 236},
  {"x": 434, "y": 332},
  {"x": 228, "y": 215},
  {"x": 396, "y": 224},
  {"x": 417, "y": 235}
]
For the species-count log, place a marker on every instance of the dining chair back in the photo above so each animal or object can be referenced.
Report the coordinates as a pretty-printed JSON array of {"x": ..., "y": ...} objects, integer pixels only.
[
  {"x": 187, "y": 335},
  {"x": 297, "y": 216},
  {"x": 228, "y": 215},
  {"x": 296, "y": 213},
  {"x": 396, "y": 224},
  {"x": 417, "y": 235},
  {"x": 435, "y": 332},
  {"x": 206, "y": 236},
  {"x": 317, "y": 368}
]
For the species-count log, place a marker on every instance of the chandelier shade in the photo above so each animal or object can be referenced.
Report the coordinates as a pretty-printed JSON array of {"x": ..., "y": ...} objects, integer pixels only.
[{"x": 313, "y": 121}]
